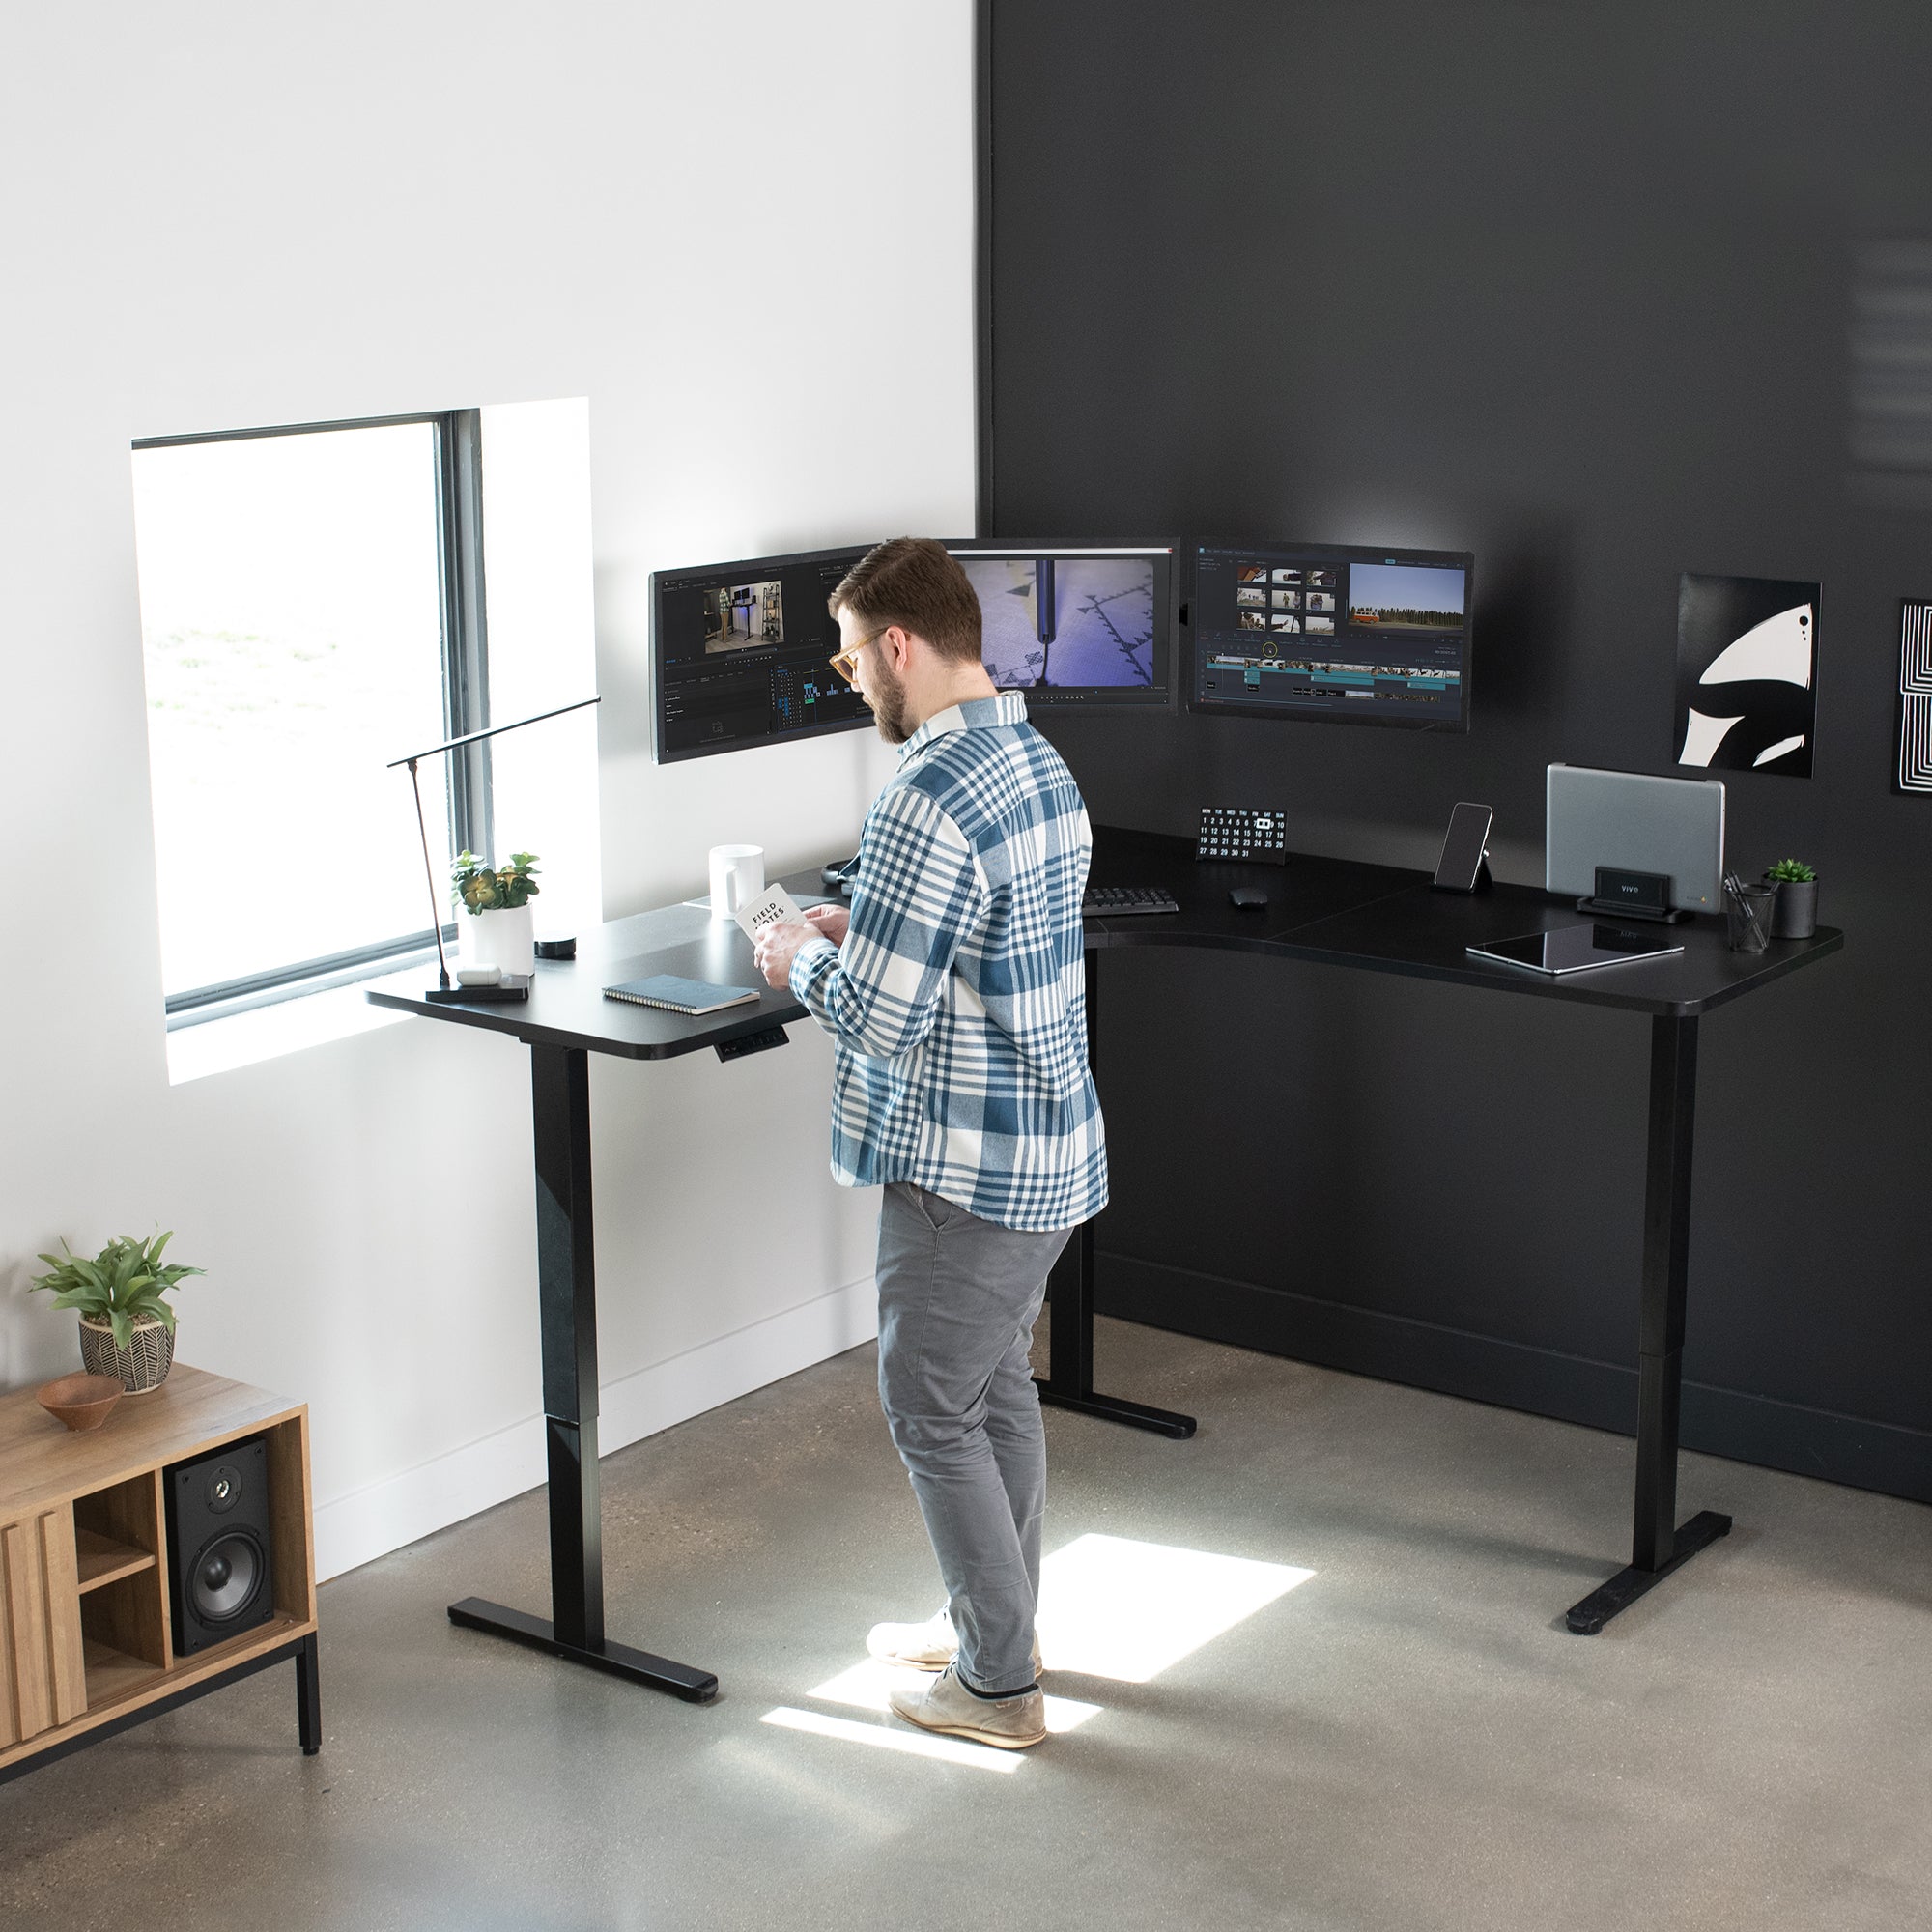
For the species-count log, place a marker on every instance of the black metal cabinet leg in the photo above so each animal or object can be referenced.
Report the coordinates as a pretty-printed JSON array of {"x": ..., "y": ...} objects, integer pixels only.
[
  {"x": 567, "y": 1301},
  {"x": 309, "y": 1696},
  {"x": 1069, "y": 1382},
  {"x": 1657, "y": 1543}
]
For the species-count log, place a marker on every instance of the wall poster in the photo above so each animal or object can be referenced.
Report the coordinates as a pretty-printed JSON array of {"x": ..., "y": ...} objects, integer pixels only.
[{"x": 1746, "y": 673}]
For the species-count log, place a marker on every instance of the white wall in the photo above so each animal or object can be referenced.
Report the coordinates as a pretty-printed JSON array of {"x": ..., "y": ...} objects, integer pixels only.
[{"x": 221, "y": 215}]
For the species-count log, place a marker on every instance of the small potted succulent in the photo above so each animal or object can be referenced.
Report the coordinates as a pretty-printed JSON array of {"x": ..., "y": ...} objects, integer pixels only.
[
  {"x": 501, "y": 930},
  {"x": 127, "y": 1327},
  {"x": 1795, "y": 915}
]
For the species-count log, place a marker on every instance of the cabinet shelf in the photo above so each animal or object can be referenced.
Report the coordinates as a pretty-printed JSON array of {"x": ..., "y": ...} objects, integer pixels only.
[
  {"x": 100, "y": 1559},
  {"x": 112, "y": 1674}
]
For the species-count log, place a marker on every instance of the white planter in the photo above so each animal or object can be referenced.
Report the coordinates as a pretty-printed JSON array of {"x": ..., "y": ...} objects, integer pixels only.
[{"x": 505, "y": 938}]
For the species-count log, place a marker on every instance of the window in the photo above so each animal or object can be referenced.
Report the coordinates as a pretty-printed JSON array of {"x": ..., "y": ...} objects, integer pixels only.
[{"x": 312, "y": 609}]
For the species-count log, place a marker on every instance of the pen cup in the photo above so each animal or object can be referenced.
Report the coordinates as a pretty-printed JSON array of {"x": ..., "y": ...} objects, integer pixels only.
[{"x": 1747, "y": 917}]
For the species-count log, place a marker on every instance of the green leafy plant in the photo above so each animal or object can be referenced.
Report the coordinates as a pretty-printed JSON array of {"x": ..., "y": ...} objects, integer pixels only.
[
  {"x": 1791, "y": 872},
  {"x": 126, "y": 1281},
  {"x": 501, "y": 890}
]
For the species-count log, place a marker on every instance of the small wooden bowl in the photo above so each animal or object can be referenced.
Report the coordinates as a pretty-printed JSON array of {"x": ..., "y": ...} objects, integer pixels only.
[{"x": 81, "y": 1402}]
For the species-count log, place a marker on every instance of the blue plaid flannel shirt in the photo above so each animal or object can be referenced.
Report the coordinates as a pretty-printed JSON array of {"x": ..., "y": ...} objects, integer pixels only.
[{"x": 958, "y": 1002}]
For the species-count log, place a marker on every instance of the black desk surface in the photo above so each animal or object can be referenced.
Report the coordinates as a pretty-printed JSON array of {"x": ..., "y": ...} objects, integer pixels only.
[
  {"x": 1382, "y": 918},
  {"x": 567, "y": 1007},
  {"x": 1387, "y": 920}
]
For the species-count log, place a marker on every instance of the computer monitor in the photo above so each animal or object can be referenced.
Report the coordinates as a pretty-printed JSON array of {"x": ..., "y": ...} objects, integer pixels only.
[
  {"x": 1075, "y": 625},
  {"x": 1355, "y": 634},
  {"x": 741, "y": 654}
]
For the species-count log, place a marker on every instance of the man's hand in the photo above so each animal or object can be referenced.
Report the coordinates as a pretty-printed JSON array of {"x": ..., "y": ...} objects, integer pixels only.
[
  {"x": 831, "y": 920},
  {"x": 776, "y": 948}
]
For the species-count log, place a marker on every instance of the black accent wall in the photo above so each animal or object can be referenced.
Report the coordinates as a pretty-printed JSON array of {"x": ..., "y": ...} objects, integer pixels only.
[{"x": 1604, "y": 294}]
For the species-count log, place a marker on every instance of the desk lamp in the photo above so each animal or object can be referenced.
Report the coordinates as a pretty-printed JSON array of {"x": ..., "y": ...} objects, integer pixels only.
[{"x": 443, "y": 993}]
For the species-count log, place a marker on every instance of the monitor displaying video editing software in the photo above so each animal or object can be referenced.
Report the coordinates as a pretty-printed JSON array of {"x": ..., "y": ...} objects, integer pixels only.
[
  {"x": 741, "y": 654},
  {"x": 1363, "y": 635},
  {"x": 1086, "y": 625}
]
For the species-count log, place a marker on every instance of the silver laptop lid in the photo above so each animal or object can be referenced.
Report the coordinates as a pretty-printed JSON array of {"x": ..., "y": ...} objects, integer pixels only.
[{"x": 1673, "y": 825}]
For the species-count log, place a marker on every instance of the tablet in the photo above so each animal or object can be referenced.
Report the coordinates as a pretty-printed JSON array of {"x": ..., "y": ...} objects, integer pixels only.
[{"x": 1577, "y": 949}]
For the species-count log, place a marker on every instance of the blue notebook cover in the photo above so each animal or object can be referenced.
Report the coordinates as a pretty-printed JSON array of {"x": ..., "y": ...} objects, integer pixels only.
[{"x": 680, "y": 996}]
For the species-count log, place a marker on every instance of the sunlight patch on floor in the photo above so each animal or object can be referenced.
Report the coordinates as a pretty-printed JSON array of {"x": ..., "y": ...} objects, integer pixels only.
[{"x": 1111, "y": 1607}]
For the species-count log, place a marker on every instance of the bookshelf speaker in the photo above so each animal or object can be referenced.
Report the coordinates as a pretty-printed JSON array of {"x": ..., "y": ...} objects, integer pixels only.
[{"x": 221, "y": 1563}]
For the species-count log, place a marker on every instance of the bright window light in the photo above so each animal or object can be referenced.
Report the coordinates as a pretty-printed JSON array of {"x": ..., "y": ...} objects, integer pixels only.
[
  {"x": 865, "y": 1687},
  {"x": 293, "y": 619},
  {"x": 1110, "y": 1606},
  {"x": 910, "y": 1743},
  {"x": 317, "y": 601}
]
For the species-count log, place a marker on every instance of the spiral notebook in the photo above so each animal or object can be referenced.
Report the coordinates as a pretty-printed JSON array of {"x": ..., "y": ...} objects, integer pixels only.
[{"x": 680, "y": 996}]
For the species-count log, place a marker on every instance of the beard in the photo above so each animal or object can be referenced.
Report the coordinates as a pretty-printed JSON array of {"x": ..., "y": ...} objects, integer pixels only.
[{"x": 888, "y": 700}]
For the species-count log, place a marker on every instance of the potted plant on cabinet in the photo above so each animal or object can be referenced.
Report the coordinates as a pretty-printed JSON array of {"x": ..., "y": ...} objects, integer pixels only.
[
  {"x": 1795, "y": 914},
  {"x": 501, "y": 928},
  {"x": 127, "y": 1327}
]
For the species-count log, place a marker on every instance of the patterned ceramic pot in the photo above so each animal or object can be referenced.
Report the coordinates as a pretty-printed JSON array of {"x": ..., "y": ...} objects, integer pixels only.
[{"x": 143, "y": 1365}]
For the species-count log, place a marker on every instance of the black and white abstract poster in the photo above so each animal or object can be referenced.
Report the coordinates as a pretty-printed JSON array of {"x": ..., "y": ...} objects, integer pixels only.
[
  {"x": 1746, "y": 673},
  {"x": 1914, "y": 773}
]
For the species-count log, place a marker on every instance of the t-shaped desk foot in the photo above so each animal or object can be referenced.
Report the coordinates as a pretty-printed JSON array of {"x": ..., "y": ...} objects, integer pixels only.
[{"x": 1069, "y": 1382}]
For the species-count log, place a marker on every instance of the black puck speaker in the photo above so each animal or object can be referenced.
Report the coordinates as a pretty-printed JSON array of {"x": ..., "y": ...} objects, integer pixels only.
[{"x": 220, "y": 1568}]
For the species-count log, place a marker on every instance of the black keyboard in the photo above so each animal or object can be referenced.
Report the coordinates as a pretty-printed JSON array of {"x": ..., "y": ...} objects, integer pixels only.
[{"x": 1112, "y": 901}]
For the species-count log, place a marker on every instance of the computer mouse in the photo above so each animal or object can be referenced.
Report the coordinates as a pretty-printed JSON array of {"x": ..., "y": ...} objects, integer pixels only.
[{"x": 1247, "y": 898}]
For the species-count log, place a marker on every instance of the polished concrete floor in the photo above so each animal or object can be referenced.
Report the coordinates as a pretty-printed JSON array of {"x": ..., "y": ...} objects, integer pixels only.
[{"x": 1407, "y": 1739}]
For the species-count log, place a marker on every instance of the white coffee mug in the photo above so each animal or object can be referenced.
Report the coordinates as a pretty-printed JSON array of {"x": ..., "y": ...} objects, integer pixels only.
[{"x": 737, "y": 877}]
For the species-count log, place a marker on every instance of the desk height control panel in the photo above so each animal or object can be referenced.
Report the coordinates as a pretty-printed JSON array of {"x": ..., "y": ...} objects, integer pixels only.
[{"x": 1258, "y": 838}]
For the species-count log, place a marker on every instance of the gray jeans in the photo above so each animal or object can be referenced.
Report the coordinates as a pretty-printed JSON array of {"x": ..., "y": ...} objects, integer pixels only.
[{"x": 959, "y": 1296}]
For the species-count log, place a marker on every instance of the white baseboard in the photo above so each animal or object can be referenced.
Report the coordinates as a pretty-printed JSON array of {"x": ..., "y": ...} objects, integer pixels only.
[{"x": 356, "y": 1528}]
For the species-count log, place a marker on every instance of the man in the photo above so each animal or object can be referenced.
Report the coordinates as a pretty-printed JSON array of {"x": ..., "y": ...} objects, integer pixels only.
[{"x": 955, "y": 991}]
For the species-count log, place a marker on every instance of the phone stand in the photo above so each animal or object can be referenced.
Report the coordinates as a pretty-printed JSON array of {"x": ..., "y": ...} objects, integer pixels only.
[{"x": 1464, "y": 864}]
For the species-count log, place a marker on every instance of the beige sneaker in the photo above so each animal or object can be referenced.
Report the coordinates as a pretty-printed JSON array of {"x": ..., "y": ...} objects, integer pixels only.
[
  {"x": 928, "y": 1646},
  {"x": 1009, "y": 1723}
]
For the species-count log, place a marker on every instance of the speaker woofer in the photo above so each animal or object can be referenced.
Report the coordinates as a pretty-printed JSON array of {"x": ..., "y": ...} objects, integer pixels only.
[{"x": 227, "y": 1573}]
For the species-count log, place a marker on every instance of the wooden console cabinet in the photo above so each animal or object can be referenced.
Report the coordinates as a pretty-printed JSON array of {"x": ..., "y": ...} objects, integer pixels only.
[{"x": 86, "y": 1647}]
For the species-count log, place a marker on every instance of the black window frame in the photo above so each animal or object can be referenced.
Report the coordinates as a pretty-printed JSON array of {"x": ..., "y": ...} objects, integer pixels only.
[{"x": 465, "y": 702}]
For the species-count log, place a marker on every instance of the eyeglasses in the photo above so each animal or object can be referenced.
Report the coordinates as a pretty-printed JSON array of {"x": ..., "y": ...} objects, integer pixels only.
[{"x": 848, "y": 661}]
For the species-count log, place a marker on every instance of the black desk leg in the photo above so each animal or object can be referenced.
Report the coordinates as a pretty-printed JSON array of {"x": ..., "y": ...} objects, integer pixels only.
[
  {"x": 1659, "y": 1545},
  {"x": 567, "y": 1299},
  {"x": 1069, "y": 1382},
  {"x": 309, "y": 1696}
]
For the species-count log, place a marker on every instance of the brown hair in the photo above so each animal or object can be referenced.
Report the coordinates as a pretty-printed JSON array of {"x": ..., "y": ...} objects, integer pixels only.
[{"x": 911, "y": 581}]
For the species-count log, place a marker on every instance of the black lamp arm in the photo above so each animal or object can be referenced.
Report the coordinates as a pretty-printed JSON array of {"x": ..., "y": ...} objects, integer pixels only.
[
  {"x": 429, "y": 874},
  {"x": 433, "y": 750}
]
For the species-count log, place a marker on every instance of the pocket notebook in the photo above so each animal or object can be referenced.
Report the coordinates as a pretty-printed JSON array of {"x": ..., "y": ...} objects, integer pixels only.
[
  {"x": 680, "y": 996},
  {"x": 777, "y": 907}
]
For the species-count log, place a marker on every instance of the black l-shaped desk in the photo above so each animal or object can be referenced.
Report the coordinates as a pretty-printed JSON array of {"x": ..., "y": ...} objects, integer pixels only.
[
  {"x": 1377, "y": 917},
  {"x": 1381, "y": 919}
]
